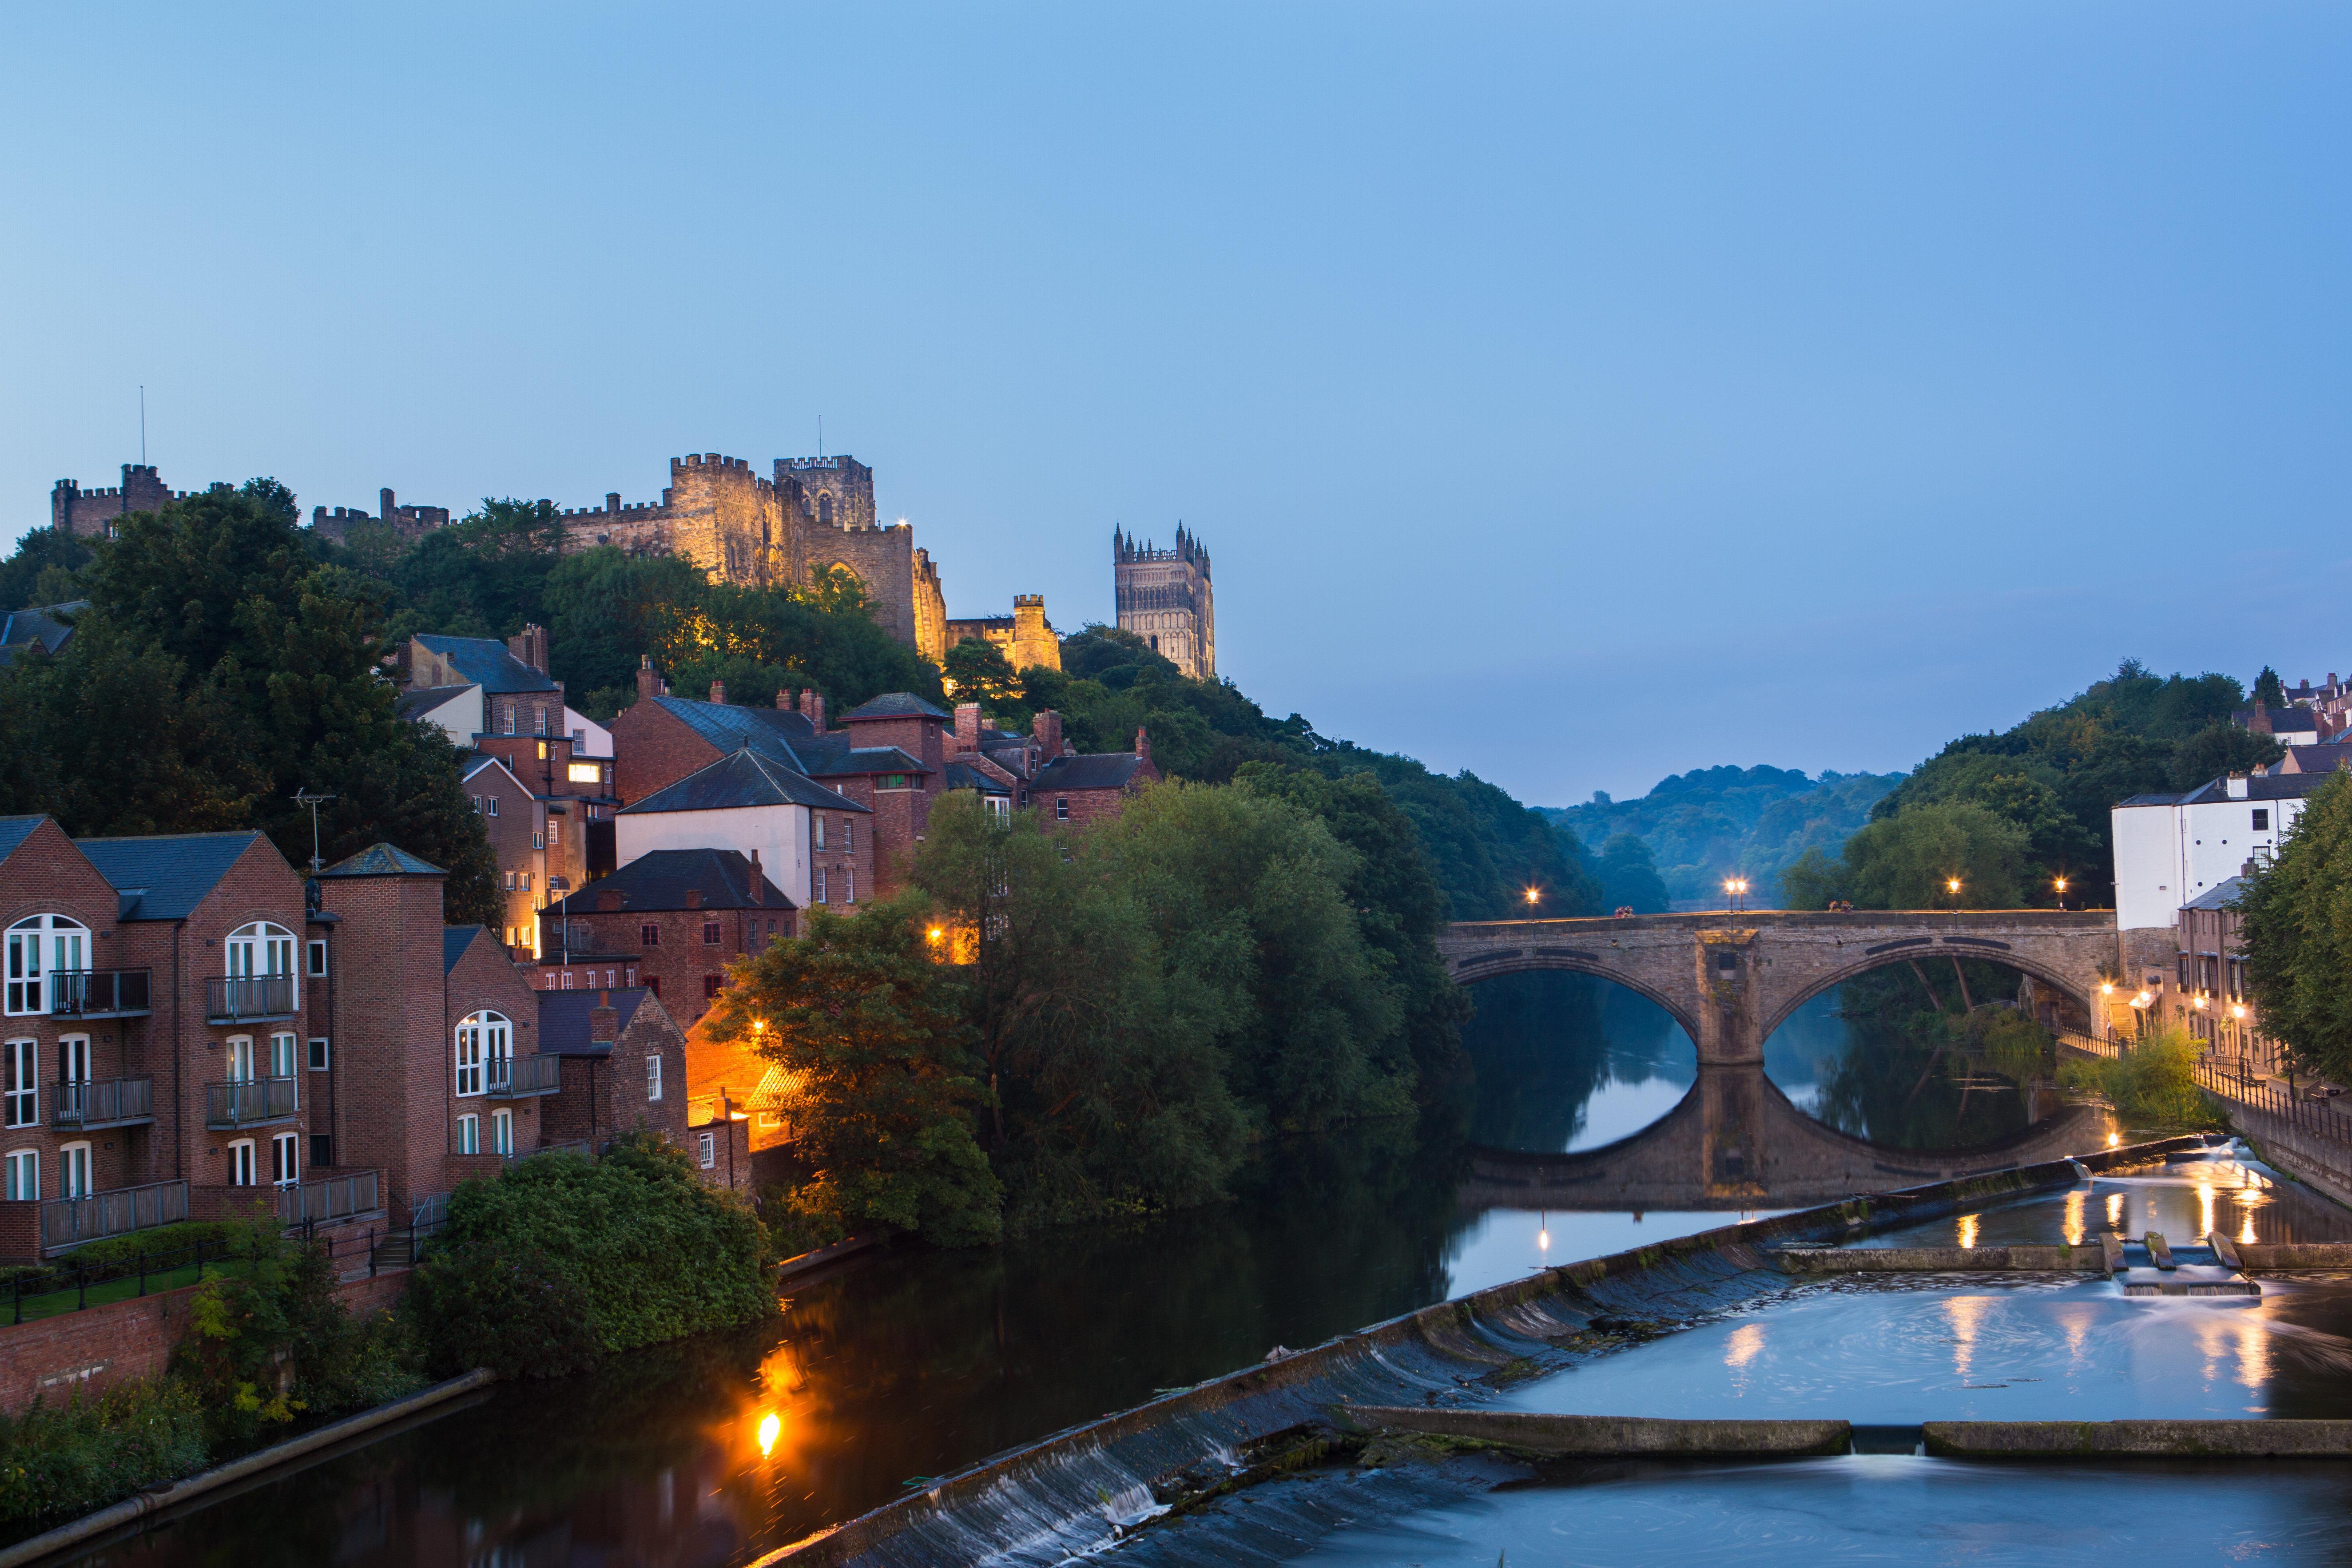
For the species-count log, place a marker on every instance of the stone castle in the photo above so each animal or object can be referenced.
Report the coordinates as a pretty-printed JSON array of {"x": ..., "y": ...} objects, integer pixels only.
[
  {"x": 1164, "y": 597},
  {"x": 804, "y": 519}
]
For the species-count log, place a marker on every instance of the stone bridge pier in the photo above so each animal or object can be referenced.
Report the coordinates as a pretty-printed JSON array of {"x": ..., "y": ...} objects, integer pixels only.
[{"x": 1730, "y": 980}]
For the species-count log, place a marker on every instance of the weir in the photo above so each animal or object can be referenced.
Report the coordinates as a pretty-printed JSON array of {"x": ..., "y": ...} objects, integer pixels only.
[{"x": 1086, "y": 1488}]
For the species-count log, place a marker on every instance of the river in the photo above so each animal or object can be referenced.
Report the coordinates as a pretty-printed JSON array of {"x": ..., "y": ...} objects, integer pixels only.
[{"x": 910, "y": 1365}]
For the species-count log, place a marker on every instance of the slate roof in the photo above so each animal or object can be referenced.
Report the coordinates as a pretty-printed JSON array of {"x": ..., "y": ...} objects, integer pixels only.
[
  {"x": 485, "y": 662},
  {"x": 165, "y": 876},
  {"x": 2267, "y": 786},
  {"x": 22, "y": 630},
  {"x": 2320, "y": 758},
  {"x": 1096, "y": 769},
  {"x": 422, "y": 700},
  {"x": 772, "y": 731},
  {"x": 14, "y": 830},
  {"x": 837, "y": 762},
  {"x": 2222, "y": 896},
  {"x": 897, "y": 705},
  {"x": 455, "y": 941},
  {"x": 743, "y": 778},
  {"x": 661, "y": 880},
  {"x": 383, "y": 860},
  {"x": 963, "y": 775},
  {"x": 564, "y": 1019}
]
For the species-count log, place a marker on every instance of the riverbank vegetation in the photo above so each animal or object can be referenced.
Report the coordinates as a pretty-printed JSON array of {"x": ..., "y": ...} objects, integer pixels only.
[
  {"x": 2152, "y": 1086},
  {"x": 2009, "y": 814},
  {"x": 1074, "y": 1024},
  {"x": 1695, "y": 829},
  {"x": 2298, "y": 936}
]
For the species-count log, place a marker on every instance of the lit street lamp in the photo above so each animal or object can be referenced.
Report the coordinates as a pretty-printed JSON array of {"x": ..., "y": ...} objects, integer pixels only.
[
  {"x": 1535, "y": 895},
  {"x": 1738, "y": 888},
  {"x": 2061, "y": 892},
  {"x": 1952, "y": 885}
]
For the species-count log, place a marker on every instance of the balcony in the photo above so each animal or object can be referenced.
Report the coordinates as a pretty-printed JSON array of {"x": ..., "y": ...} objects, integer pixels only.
[
  {"x": 335, "y": 1198},
  {"x": 99, "y": 994},
  {"x": 66, "y": 1221},
  {"x": 248, "y": 998},
  {"x": 109, "y": 1102},
  {"x": 520, "y": 1078},
  {"x": 250, "y": 1104}
]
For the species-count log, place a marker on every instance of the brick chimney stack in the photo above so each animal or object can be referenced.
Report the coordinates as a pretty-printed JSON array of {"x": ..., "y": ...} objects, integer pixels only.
[
  {"x": 785, "y": 699},
  {"x": 1047, "y": 727},
  {"x": 603, "y": 1021},
  {"x": 1142, "y": 744},
  {"x": 529, "y": 646},
  {"x": 649, "y": 683},
  {"x": 694, "y": 898},
  {"x": 967, "y": 728},
  {"x": 719, "y": 694},
  {"x": 812, "y": 708},
  {"x": 759, "y": 883}
]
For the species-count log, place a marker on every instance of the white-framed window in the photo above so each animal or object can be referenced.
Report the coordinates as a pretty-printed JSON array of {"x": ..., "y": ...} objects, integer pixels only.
[
  {"x": 73, "y": 1171},
  {"x": 318, "y": 951},
  {"x": 491, "y": 803},
  {"x": 73, "y": 1059},
  {"x": 484, "y": 1041},
  {"x": 502, "y": 1133},
  {"x": 997, "y": 805},
  {"x": 817, "y": 828},
  {"x": 538, "y": 839},
  {"x": 820, "y": 884},
  {"x": 40, "y": 946},
  {"x": 258, "y": 948},
  {"x": 554, "y": 832},
  {"x": 707, "y": 1148},
  {"x": 23, "y": 1168},
  {"x": 469, "y": 1134},
  {"x": 849, "y": 836},
  {"x": 240, "y": 1164},
  {"x": 24, "y": 1084},
  {"x": 849, "y": 884},
  {"x": 653, "y": 1077},
  {"x": 321, "y": 1055},
  {"x": 237, "y": 1051},
  {"x": 539, "y": 722},
  {"x": 285, "y": 1159},
  {"x": 282, "y": 1056},
  {"x": 1061, "y": 809},
  {"x": 506, "y": 718}
]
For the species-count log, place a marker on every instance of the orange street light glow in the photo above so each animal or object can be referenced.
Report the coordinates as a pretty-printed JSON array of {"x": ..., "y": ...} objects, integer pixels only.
[
  {"x": 1533, "y": 896},
  {"x": 770, "y": 1425}
]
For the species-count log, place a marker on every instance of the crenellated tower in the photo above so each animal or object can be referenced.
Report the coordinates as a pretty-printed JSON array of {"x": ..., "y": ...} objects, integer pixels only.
[{"x": 1165, "y": 598}]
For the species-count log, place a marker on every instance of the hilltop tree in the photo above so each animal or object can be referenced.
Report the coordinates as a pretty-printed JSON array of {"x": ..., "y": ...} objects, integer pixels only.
[
  {"x": 2298, "y": 932},
  {"x": 2269, "y": 690},
  {"x": 1629, "y": 877}
]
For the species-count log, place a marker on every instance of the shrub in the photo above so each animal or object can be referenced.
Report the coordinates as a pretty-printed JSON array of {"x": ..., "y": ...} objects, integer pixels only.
[
  {"x": 560, "y": 1260},
  {"x": 82, "y": 1455},
  {"x": 2153, "y": 1086}
]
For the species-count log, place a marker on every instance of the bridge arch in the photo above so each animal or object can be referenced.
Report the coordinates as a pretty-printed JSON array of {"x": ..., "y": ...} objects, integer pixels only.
[
  {"x": 2070, "y": 987},
  {"x": 1539, "y": 959}
]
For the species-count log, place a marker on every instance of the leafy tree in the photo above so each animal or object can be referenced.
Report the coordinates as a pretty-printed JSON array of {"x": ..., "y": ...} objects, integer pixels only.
[
  {"x": 2269, "y": 690},
  {"x": 42, "y": 569},
  {"x": 607, "y": 609},
  {"x": 1106, "y": 1097},
  {"x": 2298, "y": 934},
  {"x": 1628, "y": 876},
  {"x": 980, "y": 673},
  {"x": 1906, "y": 862},
  {"x": 867, "y": 1024},
  {"x": 2222, "y": 748}
]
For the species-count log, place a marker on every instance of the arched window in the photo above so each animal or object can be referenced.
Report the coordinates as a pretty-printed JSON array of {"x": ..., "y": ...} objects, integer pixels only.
[
  {"x": 39, "y": 948},
  {"x": 484, "y": 1053},
  {"x": 825, "y": 508},
  {"x": 260, "y": 949}
]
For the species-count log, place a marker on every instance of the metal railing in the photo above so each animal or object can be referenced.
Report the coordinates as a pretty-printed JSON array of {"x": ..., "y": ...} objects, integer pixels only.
[
  {"x": 68, "y": 1220},
  {"x": 250, "y": 1102},
  {"x": 2229, "y": 1079},
  {"x": 518, "y": 1078},
  {"x": 107, "y": 1103},
  {"x": 2111, "y": 1049},
  {"x": 99, "y": 994},
  {"x": 248, "y": 996},
  {"x": 337, "y": 1197}
]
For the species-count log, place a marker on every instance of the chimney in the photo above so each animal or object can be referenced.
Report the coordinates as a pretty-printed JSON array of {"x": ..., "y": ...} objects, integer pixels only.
[
  {"x": 812, "y": 708},
  {"x": 530, "y": 646},
  {"x": 603, "y": 1021},
  {"x": 967, "y": 729},
  {"x": 785, "y": 699},
  {"x": 1142, "y": 744},
  {"x": 694, "y": 898},
  {"x": 2237, "y": 786},
  {"x": 1047, "y": 727},
  {"x": 719, "y": 694},
  {"x": 759, "y": 883},
  {"x": 649, "y": 683}
]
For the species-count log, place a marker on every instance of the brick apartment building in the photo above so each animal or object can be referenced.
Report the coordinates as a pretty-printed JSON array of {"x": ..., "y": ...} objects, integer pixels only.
[
  {"x": 624, "y": 1066},
  {"x": 669, "y": 922}
]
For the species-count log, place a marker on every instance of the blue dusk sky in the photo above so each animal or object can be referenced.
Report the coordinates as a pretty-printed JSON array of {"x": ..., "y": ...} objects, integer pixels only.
[{"x": 1571, "y": 392}]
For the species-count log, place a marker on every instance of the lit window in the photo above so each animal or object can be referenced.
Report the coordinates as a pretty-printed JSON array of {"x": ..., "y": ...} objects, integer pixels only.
[{"x": 585, "y": 772}]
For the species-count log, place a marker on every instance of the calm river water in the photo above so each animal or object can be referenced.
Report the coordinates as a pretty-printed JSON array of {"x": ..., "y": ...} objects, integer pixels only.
[{"x": 911, "y": 1364}]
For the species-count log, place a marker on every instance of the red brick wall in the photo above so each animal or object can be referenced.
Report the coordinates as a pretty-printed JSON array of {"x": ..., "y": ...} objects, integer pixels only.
[
  {"x": 486, "y": 980},
  {"x": 681, "y": 961},
  {"x": 605, "y": 1096},
  {"x": 652, "y": 749},
  {"x": 730, "y": 1152},
  {"x": 509, "y": 832},
  {"x": 393, "y": 1060}
]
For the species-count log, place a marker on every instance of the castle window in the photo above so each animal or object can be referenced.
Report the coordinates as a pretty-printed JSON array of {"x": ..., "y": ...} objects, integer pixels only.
[{"x": 825, "y": 507}]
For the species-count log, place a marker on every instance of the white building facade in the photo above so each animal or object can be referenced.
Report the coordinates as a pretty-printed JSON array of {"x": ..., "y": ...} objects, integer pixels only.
[{"x": 2171, "y": 849}]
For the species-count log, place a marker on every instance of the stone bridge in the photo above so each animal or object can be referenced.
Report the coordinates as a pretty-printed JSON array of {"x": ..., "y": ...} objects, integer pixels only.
[
  {"x": 1734, "y": 1141},
  {"x": 1730, "y": 980}
]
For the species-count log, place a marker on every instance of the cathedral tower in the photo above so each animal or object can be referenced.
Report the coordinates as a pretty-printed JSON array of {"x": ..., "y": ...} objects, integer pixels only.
[{"x": 1164, "y": 597}]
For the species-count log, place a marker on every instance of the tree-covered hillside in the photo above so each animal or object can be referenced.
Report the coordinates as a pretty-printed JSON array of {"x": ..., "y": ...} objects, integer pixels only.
[{"x": 1695, "y": 829}]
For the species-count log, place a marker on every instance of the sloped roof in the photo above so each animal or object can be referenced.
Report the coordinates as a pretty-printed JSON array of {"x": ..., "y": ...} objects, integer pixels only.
[
  {"x": 743, "y": 778},
  {"x": 2221, "y": 896},
  {"x": 421, "y": 699},
  {"x": 163, "y": 877},
  {"x": 565, "y": 1017},
  {"x": 2265, "y": 786},
  {"x": 383, "y": 860},
  {"x": 455, "y": 941},
  {"x": 771, "y": 732},
  {"x": 963, "y": 775},
  {"x": 22, "y": 630},
  {"x": 2318, "y": 759},
  {"x": 897, "y": 705},
  {"x": 14, "y": 830},
  {"x": 661, "y": 880},
  {"x": 1096, "y": 769},
  {"x": 837, "y": 762},
  {"x": 486, "y": 663}
]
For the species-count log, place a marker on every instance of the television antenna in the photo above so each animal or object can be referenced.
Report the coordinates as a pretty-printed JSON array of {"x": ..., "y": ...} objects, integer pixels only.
[{"x": 304, "y": 798}]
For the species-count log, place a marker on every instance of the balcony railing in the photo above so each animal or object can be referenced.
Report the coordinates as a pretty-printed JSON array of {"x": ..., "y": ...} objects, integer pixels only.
[
  {"x": 520, "y": 1078},
  {"x": 337, "y": 1197},
  {"x": 250, "y": 1104},
  {"x": 246, "y": 997},
  {"x": 97, "y": 993},
  {"x": 109, "y": 1102},
  {"x": 64, "y": 1221}
]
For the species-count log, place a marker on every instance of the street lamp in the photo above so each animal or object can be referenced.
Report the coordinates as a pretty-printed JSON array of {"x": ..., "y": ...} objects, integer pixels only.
[
  {"x": 1535, "y": 895},
  {"x": 1952, "y": 885},
  {"x": 1738, "y": 888},
  {"x": 2061, "y": 892}
]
